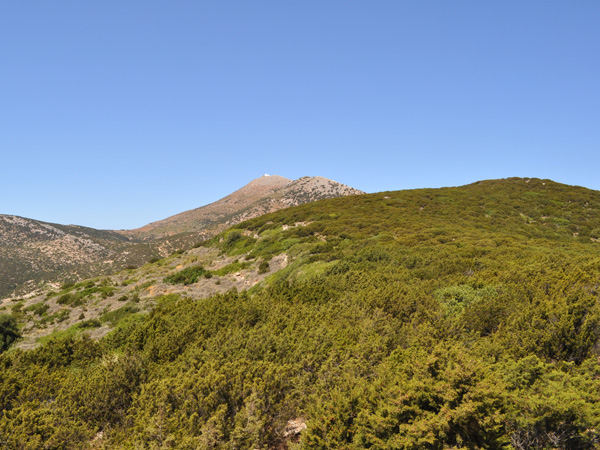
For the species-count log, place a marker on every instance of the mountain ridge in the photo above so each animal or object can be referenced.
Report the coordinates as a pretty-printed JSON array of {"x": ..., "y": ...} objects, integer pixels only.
[
  {"x": 35, "y": 252},
  {"x": 260, "y": 196}
]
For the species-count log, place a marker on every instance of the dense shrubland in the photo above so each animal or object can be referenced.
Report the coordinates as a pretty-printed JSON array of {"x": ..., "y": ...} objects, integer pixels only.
[{"x": 430, "y": 319}]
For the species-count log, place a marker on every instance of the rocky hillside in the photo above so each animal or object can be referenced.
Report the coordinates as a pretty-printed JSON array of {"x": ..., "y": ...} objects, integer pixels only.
[
  {"x": 261, "y": 196},
  {"x": 34, "y": 253}
]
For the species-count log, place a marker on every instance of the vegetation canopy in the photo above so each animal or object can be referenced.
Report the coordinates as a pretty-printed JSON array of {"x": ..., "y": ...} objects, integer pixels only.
[{"x": 427, "y": 319}]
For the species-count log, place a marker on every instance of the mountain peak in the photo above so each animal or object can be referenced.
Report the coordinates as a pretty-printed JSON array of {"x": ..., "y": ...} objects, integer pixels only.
[
  {"x": 262, "y": 195},
  {"x": 269, "y": 180}
]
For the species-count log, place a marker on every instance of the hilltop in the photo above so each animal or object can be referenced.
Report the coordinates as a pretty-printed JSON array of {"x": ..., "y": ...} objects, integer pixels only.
[
  {"x": 35, "y": 253},
  {"x": 261, "y": 196},
  {"x": 431, "y": 318}
]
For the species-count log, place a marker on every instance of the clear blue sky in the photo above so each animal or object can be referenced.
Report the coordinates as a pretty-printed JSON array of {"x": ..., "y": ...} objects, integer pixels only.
[{"x": 117, "y": 113}]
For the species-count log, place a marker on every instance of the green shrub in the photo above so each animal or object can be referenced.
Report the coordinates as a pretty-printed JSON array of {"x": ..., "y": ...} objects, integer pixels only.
[
  {"x": 456, "y": 298},
  {"x": 67, "y": 285},
  {"x": 90, "y": 323},
  {"x": 235, "y": 241},
  {"x": 71, "y": 299},
  {"x": 85, "y": 284},
  {"x": 38, "y": 308},
  {"x": 263, "y": 267},
  {"x": 116, "y": 316},
  {"x": 16, "y": 308},
  {"x": 78, "y": 298},
  {"x": 9, "y": 331},
  {"x": 57, "y": 317},
  {"x": 235, "y": 266},
  {"x": 186, "y": 276}
]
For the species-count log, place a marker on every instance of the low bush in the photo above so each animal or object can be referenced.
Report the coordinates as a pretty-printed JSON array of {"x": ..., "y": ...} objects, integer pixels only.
[{"x": 186, "y": 276}]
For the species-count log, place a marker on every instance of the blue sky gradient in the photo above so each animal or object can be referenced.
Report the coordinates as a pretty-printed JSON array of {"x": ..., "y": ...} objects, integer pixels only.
[{"x": 118, "y": 113}]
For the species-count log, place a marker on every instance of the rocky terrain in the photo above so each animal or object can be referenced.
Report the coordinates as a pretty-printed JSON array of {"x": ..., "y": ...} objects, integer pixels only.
[
  {"x": 35, "y": 253},
  {"x": 91, "y": 302},
  {"x": 261, "y": 196}
]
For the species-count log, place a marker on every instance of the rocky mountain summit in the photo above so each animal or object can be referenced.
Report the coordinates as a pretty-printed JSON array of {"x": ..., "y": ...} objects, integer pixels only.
[
  {"x": 34, "y": 253},
  {"x": 261, "y": 196}
]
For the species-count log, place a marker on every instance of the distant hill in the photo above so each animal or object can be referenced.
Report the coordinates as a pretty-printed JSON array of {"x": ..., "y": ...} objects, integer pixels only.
[
  {"x": 261, "y": 196},
  {"x": 33, "y": 253}
]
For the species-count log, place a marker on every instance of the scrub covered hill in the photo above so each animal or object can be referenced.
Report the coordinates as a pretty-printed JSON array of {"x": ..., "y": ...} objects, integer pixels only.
[
  {"x": 35, "y": 255},
  {"x": 427, "y": 319}
]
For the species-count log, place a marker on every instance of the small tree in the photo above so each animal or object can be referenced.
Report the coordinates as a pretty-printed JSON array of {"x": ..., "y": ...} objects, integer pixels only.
[
  {"x": 9, "y": 331},
  {"x": 263, "y": 267}
]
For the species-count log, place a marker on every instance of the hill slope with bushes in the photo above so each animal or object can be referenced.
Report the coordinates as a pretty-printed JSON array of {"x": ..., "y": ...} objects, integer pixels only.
[
  {"x": 37, "y": 254},
  {"x": 427, "y": 319}
]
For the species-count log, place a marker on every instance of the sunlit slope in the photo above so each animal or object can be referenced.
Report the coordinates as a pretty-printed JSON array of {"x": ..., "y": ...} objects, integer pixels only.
[
  {"x": 262, "y": 195},
  {"x": 34, "y": 254},
  {"x": 461, "y": 317}
]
